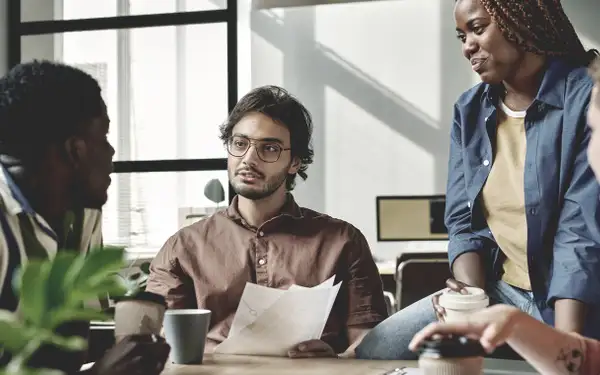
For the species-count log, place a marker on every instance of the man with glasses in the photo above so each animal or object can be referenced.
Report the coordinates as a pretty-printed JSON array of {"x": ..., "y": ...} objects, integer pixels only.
[{"x": 264, "y": 237}]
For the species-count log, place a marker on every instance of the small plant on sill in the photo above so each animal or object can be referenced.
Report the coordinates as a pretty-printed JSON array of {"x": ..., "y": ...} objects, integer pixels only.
[{"x": 136, "y": 282}]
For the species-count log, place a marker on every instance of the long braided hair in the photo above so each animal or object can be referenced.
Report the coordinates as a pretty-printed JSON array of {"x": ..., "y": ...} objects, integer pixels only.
[{"x": 540, "y": 27}]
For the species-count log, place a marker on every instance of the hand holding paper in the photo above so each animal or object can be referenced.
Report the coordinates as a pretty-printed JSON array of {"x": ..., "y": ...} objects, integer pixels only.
[{"x": 272, "y": 321}]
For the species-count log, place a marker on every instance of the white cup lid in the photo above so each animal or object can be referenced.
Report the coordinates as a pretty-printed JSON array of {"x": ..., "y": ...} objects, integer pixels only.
[{"x": 475, "y": 299}]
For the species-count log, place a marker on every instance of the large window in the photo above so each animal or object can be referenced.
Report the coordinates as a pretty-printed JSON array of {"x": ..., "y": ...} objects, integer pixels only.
[{"x": 168, "y": 71}]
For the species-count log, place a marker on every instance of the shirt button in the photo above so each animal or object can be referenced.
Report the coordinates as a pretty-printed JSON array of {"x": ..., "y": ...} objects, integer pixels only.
[
  {"x": 262, "y": 261},
  {"x": 486, "y": 162},
  {"x": 261, "y": 233}
]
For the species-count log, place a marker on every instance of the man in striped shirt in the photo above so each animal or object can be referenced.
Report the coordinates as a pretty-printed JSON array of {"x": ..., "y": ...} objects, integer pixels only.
[{"x": 55, "y": 162}]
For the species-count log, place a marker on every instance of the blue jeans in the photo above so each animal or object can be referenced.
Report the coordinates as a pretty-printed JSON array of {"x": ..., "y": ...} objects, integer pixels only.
[{"x": 390, "y": 339}]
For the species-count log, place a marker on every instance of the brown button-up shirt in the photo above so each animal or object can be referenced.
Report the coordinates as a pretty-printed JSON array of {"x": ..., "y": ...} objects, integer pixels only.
[{"x": 207, "y": 264}]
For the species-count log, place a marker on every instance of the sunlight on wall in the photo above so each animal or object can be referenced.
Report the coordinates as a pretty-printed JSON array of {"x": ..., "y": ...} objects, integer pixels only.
[
  {"x": 373, "y": 80},
  {"x": 377, "y": 41},
  {"x": 365, "y": 158},
  {"x": 588, "y": 42},
  {"x": 270, "y": 70}
]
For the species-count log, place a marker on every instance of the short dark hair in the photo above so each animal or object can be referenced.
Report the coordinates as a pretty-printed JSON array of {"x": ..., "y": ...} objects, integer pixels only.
[
  {"x": 43, "y": 102},
  {"x": 276, "y": 103}
]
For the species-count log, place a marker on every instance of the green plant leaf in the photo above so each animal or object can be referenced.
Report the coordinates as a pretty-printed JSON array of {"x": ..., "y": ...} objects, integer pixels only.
[
  {"x": 74, "y": 343},
  {"x": 99, "y": 265},
  {"x": 13, "y": 335},
  {"x": 33, "y": 285},
  {"x": 57, "y": 287},
  {"x": 72, "y": 275},
  {"x": 145, "y": 268}
]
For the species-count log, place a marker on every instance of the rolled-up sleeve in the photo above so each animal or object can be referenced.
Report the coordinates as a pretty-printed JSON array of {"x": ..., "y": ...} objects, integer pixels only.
[
  {"x": 461, "y": 238},
  {"x": 576, "y": 263},
  {"x": 366, "y": 304},
  {"x": 168, "y": 279}
]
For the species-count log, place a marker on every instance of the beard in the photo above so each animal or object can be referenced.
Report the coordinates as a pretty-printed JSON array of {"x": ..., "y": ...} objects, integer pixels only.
[
  {"x": 260, "y": 190},
  {"x": 90, "y": 191}
]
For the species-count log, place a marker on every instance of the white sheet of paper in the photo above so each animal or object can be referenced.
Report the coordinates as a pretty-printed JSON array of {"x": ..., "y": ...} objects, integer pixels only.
[
  {"x": 255, "y": 300},
  {"x": 271, "y": 321}
]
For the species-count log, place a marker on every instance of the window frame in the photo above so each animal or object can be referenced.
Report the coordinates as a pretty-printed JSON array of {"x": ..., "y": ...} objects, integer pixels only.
[{"x": 18, "y": 29}]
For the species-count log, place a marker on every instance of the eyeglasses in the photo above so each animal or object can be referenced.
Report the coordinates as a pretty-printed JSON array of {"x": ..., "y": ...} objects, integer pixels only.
[{"x": 267, "y": 151}]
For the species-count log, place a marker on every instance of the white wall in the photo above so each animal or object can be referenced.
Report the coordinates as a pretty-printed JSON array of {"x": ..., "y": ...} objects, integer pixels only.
[
  {"x": 380, "y": 79},
  {"x": 585, "y": 15}
]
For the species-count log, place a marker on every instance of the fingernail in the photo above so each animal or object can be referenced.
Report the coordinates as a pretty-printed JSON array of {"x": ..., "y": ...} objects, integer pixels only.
[{"x": 487, "y": 346}]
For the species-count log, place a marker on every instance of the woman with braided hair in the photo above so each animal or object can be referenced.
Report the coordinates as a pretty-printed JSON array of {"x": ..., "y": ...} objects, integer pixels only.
[
  {"x": 522, "y": 204},
  {"x": 549, "y": 351}
]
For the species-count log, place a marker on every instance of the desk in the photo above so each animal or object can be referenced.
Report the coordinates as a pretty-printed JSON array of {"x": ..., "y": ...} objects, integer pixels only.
[{"x": 245, "y": 365}]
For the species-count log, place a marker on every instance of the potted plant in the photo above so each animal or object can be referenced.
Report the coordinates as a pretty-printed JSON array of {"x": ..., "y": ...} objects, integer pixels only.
[
  {"x": 53, "y": 292},
  {"x": 136, "y": 282}
]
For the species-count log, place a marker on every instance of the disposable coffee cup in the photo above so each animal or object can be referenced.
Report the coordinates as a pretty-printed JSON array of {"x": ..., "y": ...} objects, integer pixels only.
[
  {"x": 186, "y": 331},
  {"x": 459, "y": 306},
  {"x": 141, "y": 314},
  {"x": 454, "y": 355}
]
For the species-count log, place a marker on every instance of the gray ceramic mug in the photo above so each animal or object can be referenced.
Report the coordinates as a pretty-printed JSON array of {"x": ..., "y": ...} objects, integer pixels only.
[{"x": 185, "y": 331}]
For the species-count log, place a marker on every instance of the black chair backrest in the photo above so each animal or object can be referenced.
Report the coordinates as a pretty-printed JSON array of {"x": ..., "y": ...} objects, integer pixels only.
[{"x": 417, "y": 278}]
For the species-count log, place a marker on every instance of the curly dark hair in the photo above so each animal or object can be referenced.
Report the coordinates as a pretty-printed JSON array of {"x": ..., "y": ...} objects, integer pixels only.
[
  {"x": 42, "y": 103},
  {"x": 276, "y": 103},
  {"x": 540, "y": 27}
]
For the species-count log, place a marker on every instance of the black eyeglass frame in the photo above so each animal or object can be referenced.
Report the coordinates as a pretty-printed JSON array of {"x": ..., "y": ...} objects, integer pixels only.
[{"x": 254, "y": 142}]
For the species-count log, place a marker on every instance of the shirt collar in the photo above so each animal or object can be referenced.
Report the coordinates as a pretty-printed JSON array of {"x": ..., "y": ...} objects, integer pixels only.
[
  {"x": 290, "y": 208},
  {"x": 12, "y": 197},
  {"x": 552, "y": 89}
]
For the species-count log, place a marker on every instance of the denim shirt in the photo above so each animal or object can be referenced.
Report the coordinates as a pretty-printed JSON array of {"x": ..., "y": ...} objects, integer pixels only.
[{"x": 561, "y": 192}]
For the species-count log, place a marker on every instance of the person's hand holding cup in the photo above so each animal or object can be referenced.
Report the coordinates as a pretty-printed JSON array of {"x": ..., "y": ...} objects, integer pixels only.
[{"x": 458, "y": 300}]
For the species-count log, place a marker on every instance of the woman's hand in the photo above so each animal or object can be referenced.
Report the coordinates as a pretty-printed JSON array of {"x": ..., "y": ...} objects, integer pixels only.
[
  {"x": 491, "y": 326},
  {"x": 454, "y": 285}
]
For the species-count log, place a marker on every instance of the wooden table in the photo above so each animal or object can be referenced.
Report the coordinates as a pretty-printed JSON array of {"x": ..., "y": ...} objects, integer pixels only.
[{"x": 245, "y": 365}]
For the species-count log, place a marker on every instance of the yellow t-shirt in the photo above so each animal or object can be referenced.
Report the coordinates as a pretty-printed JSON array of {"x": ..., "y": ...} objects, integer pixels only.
[{"x": 504, "y": 196}]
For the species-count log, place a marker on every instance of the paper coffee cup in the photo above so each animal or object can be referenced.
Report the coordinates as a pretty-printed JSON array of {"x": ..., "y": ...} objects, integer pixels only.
[
  {"x": 451, "y": 366},
  {"x": 141, "y": 314},
  {"x": 452, "y": 355},
  {"x": 458, "y": 306}
]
